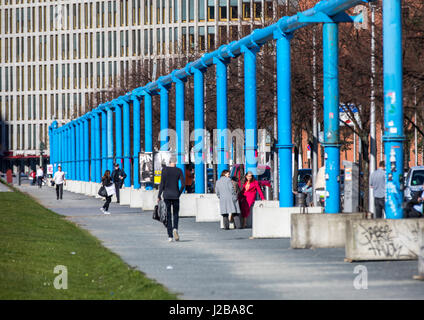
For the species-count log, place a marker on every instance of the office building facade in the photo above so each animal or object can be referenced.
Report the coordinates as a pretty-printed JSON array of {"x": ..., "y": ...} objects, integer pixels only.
[{"x": 56, "y": 55}]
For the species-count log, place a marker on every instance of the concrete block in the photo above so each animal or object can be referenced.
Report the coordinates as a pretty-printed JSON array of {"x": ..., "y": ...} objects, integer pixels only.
[
  {"x": 88, "y": 188},
  {"x": 208, "y": 209},
  {"x": 383, "y": 239},
  {"x": 125, "y": 196},
  {"x": 150, "y": 199},
  {"x": 420, "y": 275},
  {"x": 271, "y": 221},
  {"x": 318, "y": 230},
  {"x": 136, "y": 200},
  {"x": 188, "y": 206}
]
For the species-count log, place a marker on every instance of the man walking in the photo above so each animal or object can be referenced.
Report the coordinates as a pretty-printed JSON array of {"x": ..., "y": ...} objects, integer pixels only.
[
  {"x": 378, "y": 184},
  {"x": 40, "y": 176},
  {"x": 118, "y": 176},
  {"x": 171, "y": 195},
  {"x": 59, "y": 180}
]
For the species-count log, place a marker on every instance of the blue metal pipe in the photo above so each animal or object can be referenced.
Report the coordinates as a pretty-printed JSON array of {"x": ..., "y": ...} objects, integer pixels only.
[
  {"x": 148, "y": 123},
  {"x": 93, "y": 149},
  {"x": 221, "y": 114},
  {"x": 258, "y": 37},
  {"x": 284, "y": 143},
  {"x": 179, "y": 122},
  {"x": 104, "y": 142},
  {"x": 148, "y": 127},
  {"x": 74, "y": 150},
  {"x": 199, "y": 128},
  {"x": 86, "y": 151},
  {"x": 331, "y": 116},
  {"x": 164, "y": 118},
  {"x": 81, "y": 149},
  {"x": 393, "y": 107},
  {"x": 77, "y": 150},
  {"x": 250, "y": 108},
  {"x": 118, "y": 133},
  {"x": 127, "y": 143},
  {"x": 109, "y": 163},
  {"x": 136, "y": 141},
  {"x": 97, "y": 151}
]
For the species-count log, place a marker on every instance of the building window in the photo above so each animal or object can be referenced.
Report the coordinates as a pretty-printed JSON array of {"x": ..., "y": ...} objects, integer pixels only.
[
  {"x": 211, "y": 38},
  {"x": 223, "y": 10},
  {"x": 201, "y": 44},
  {"x": 211, "y": 10},
  {"x": 233, "y": 10},
  {"x": 246, "y": 10},
  {"x": 257, "y": 8}
]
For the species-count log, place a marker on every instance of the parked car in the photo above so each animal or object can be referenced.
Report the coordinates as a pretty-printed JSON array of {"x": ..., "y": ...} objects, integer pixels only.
[{"x": 414, "y": 181}]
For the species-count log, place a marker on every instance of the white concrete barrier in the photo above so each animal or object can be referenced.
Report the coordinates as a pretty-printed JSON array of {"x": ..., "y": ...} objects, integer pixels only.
[
  {"x": 136, "y": 200},
  {"x": 150, "y": 199},
  {"x": 320, "y": 230},
  {"x": 420, "y": 275},
  {"x": 188, "y": 206},
  {"x": 88, "y": 188},
  {"x": 271, "y": 221},
  {"x": 383, "y": 239},
  {"x": 125, "y": 196},
  {"x": 207, "y": 209}
]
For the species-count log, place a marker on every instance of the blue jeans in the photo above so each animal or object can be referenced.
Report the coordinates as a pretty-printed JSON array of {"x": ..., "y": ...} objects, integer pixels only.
[{"x": 175, "y": 210}]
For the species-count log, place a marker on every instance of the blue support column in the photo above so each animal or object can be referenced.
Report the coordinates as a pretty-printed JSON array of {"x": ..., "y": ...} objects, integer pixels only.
[
  {"x": 331, "y": 117},
  {"x": 93, "y": 148},
  {"x": 74, "y": 150},
  {"x": 284, "y": 143},
  {"x": 199, "y": 129},
  {"x": 136, "y": 141},
  {"x": 109, "y": 164},
  {"x": 97, "y": 150},
  {"x": 148, "y": 127},
  {"x": 127, "y": 144},
  {"x": 221, "y": 113},
  {"x": 179, "y": 121},
  {"x": 66, "y": 148},
  {"x": 104, "y": 143},
  {"x": 393, "y": 108},
  {"x": 250, "y": 108},
  {"x": 77, "y": 151},
  {"x": 164, "y": 117},
  {"x": 86, "y": 150},
  {"x": 81, "y": 149},
  {"x": 118, "y": 133}
]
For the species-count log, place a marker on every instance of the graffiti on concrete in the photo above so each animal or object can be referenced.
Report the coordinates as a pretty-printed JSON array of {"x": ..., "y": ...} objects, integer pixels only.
[{"x": 380, "y": 241}]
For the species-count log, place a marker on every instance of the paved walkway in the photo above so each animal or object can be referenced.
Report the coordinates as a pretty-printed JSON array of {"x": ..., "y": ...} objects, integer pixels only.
[{"x": 210, "y": 263}]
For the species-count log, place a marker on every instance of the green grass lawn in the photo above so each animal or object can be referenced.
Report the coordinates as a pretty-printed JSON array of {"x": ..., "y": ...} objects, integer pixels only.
[{"x": 34, "y": 240}]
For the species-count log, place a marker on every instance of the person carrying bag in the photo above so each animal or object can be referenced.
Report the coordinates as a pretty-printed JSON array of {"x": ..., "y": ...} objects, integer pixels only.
[{"x": 107, "y": 190}]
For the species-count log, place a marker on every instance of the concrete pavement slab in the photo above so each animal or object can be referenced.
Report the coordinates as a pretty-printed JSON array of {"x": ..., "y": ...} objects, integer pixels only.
[{"x": 211, "y": 263}]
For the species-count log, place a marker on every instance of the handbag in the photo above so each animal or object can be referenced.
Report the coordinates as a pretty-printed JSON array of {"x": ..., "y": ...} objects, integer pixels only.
[
  {"x": 102, "y": 191},
  {"x": 156, "y": 213}
]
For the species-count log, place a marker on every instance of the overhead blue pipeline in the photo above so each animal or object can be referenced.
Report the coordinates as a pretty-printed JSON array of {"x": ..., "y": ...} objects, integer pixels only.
[{"x": 127, "y": 142}]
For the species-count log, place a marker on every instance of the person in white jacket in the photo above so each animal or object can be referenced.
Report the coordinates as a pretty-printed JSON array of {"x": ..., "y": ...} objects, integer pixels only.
[{"x": 59, "y": 180}]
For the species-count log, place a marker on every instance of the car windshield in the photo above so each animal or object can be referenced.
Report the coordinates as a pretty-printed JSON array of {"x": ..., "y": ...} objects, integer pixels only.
[{"x": 417, "y": 178}]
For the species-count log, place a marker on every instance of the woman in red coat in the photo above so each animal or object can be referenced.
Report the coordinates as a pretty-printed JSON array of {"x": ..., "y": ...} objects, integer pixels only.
[{"x": 248, "y": 196}]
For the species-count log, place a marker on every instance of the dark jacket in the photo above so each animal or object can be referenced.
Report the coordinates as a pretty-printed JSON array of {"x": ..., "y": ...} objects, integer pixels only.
[
  {"x": 169, "y": 183},
  {"x": 106, "y": 181},
  {"x": 115, "y": 176}
]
